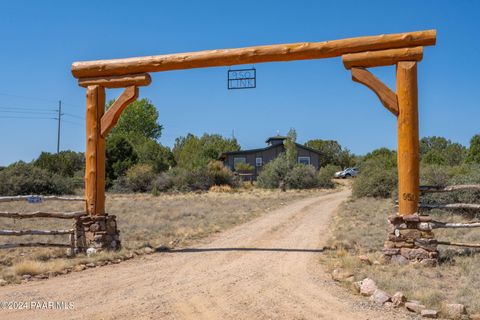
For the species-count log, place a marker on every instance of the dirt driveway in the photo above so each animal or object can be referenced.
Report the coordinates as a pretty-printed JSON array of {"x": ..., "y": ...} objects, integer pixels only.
[{"x": 265, "y": 269}]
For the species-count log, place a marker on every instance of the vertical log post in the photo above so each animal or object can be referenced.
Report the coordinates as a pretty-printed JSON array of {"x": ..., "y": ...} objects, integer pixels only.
[
  {"x": 95, "y": 152},
  {"x": 408, "y": 138}
]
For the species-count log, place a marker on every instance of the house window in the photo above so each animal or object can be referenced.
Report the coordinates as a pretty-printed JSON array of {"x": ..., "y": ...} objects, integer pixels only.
[
  {"x": 259, "y": 161},
  {"x": 304, "y": 160},
  {"x": 237, "y": 160}
]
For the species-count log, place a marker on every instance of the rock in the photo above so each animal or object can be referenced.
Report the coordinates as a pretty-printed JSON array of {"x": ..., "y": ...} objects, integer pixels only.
[
  {"x": 91, "y": 251},
  {"x": 429, "y": 263},
  {"x": 148, "y": 250},
  {"x": 41, "y": 276},
  {"x": 454, "y": 310},
  {"x": 129, "y": 255},
  {"x": 340, "y": 275},
  {"x": 79, "y": 267},
  {"x": 428, "y": 313},
  {"x": 388, "y": 304},
  {"x": 3, "y": 282},
  {"x": 380, "y": 297},
  {"x": 398, "y": 299},
  {"x": 414, "y": 254},
  {"x": 390, "y": 251},
  {"x": 26, "y": 277},
  {"x": 365, "y": 259},
  {"x": 356, "y": 286},
  {"x": 414, "y": 306},
  {"x": 376, "y": 263},
  {"x": 475, "y": 316},
  {"x": 90, "y": 265},
  {"x": 398, "y": 259},
  {"x": 367, "y": 287}
]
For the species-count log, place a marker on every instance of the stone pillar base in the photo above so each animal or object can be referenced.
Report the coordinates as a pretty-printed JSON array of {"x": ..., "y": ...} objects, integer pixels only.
[
  {"x": 411, "y": 239},
  {"x": 97, "y": 232}
]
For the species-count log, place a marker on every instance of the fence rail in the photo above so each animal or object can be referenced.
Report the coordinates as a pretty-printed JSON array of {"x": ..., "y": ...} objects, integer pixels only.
[
  {"x": 35, "y": 232},
  {"x": 450, "y": 188},
  {"x": 451, "y": 206},
  {"x": 41, "y": 214},
  {"x": 75, "y": 215},
  {"x": 26, "y": 198}
]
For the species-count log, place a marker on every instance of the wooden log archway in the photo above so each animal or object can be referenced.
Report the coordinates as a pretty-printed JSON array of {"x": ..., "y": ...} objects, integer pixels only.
[{"x": 403, "y": 50}]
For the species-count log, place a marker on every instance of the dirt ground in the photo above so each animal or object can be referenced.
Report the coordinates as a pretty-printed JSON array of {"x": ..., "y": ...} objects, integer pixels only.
[{"x": 267, "y": 268}]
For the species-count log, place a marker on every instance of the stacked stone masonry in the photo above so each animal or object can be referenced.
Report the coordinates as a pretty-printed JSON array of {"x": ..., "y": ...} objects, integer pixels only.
[
  {"x": 98, "y": 232},
  {"x": 411, "y": 238}
]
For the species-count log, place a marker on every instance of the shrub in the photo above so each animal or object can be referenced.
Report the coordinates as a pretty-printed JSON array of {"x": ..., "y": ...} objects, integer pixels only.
[
  {"x": 140, "y": 177},
  {"x": 302, "y": 177},
  {"x": 221, "y": 175},
  {"x": 23, "y": 179},
  {"x": 244, "y": 167},
  {"x": 274, "y": 173},
  {"x": 188, "y": 180},
  {"x": 325, "y": 176},
  {"x": 215, "y": 173},
  {"x": 65, "y": 163},
  {"x": 434, "y": 174},
  {"x": 163, "y": 182},
  {"x": 377, "y": 178}
]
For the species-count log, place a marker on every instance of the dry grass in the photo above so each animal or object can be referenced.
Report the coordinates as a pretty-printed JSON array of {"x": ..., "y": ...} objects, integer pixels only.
[
  {"x": 360, "y": 227},
  {"x": 144, "y": 220}
]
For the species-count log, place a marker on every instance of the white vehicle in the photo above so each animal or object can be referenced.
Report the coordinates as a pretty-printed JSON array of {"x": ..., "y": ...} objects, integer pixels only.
[{"x": 347, "y": 173}]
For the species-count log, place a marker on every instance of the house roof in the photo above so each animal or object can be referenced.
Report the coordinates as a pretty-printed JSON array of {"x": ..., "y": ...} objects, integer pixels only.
[
  {"x": 275, "y": 138},
  {"x": 223, "y": 155}
]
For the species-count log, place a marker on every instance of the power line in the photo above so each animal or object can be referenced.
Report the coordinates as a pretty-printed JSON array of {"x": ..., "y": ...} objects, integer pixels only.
[
  {"x": 27, "y": 112},
  {"x": 74, "y": 116},
  {"x": 71, "y": 122},
  {"x": 15, "y": 117}
]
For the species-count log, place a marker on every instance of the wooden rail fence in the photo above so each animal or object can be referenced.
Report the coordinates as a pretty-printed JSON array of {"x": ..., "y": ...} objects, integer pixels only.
[
  {"x": 451, "y": 206},
  {"x": 75, "y": 215}
]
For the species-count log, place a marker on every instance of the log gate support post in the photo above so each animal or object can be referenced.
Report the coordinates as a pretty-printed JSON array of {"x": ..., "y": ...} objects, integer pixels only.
[
  {"x": 403, "y": 50},
  {"x": 100, "y": 228}
]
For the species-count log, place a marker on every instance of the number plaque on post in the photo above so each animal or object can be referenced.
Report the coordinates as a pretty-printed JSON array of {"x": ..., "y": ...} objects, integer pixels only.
[{"x": 242, "y": 79}]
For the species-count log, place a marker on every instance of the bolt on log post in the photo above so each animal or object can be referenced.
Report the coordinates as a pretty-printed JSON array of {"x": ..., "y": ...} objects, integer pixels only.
[{"x": 401, "y": 49}]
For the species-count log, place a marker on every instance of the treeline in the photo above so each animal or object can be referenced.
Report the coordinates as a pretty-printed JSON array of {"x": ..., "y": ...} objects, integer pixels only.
[{"x": 443, "y": 162}]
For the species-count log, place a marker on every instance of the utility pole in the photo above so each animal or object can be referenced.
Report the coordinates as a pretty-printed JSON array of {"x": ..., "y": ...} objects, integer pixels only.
[{"x": 59, "y": 121}]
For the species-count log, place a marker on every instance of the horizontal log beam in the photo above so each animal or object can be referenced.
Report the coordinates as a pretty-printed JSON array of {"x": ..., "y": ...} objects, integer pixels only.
[
  {"x": 451, "y": 206},
  {"x": 450, "y": 188},
  {"x": 33, "y": 244},
  {"x": 248, "y": 55},
  {"x": 382, "y": 57},
  {"x": 35, "y": 232},
  {"x": 40, "y": 214},
  {"x": 386, "y": 96},
  {"x": 459, "y": 244},
  {"x": 138, "y": 80},
  {"x": 23, "y": 198}
]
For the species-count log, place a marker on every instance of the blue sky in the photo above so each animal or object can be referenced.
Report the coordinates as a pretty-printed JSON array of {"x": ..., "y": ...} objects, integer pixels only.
[{"x": 40, "y": 40}]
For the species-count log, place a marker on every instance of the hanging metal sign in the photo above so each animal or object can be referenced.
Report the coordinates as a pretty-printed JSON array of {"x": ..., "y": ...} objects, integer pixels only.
[{"x": 242, "y": 79}]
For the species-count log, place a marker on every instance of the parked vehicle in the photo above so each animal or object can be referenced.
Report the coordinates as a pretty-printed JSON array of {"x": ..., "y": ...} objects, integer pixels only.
[{"x": 347, "y": 173}]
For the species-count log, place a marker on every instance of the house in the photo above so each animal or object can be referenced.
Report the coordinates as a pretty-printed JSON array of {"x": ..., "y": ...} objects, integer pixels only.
[{"x": 257, "y": 158}]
